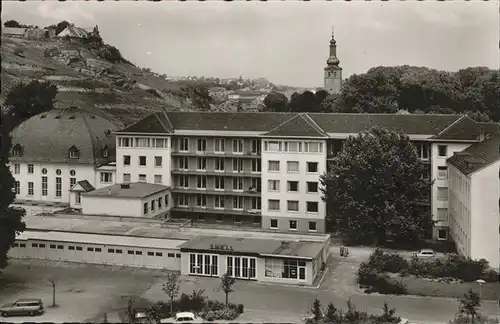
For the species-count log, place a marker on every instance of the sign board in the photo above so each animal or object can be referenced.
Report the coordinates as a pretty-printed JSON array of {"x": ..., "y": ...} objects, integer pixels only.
[{"x": 221, "y": 247}]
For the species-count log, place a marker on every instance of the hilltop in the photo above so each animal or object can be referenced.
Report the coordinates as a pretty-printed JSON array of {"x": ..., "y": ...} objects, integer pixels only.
[{"x": 119, "y": 90}]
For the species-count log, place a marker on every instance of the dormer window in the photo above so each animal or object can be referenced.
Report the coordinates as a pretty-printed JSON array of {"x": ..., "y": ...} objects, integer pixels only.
[
  {"x": 105, "y": 151},
  {"x": 17, "y": 150},
  {"x": 74, "y": 153}
]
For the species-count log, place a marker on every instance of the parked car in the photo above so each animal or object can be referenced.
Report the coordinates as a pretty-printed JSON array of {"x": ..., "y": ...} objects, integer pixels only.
[
  {"x": 27, "y": 306},
  {"x": 141, "y": 315},
  {"x": 183, "y": 317},
  {"x": 425, "y": 253},
  {"x": 404, "y": 321}
]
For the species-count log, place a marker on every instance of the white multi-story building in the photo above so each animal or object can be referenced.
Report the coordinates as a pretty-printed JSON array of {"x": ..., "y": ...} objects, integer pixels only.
[
  {"x": 474, "y": 196},
  {"x": 52, "y": 151}
]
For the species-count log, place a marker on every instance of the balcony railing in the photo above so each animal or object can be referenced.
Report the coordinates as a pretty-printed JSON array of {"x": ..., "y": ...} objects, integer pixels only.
[
  {"x": 213, "y": 191},
  {"x": 247, "y": 154},
  {"x": 227, "y": 173},
  {"x": 213, "y": 210}
]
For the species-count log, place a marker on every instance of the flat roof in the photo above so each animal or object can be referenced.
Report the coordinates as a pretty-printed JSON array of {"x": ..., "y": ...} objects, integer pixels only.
[
  {"x": 71, "y": 237},
  {"x": 135, "y": 190},
  {"x": 270, "y": 247}
]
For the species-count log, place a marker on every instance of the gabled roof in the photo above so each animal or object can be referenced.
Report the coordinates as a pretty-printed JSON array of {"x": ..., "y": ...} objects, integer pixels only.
[
  {"x": 156, "y": 123},
  {"x": 477, "y": 156},
  {"x": 465, "y": 129},
  {"x": 300, "y": 125},
  {"x": 82, "y": 186},
  {"x": 73, "y": 31}
]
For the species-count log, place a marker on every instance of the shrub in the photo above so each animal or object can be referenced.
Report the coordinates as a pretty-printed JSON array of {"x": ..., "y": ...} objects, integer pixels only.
[
  {"x": 225, "y": 314},
  {"x": 455, "y": 266},
  {"x": 159, "y": 310},
  {"x": 387, "y": 262},
  {"x": 240, "y": 308},
  {"x": 491, "y": 276}
]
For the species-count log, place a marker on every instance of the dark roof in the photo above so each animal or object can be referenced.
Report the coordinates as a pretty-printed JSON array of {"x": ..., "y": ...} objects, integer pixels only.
[
  {"x": 477, "y": 156},
  {"x": 135, "y": 190},
  {"x": 299, "y": 125},
  {"x": 47, "y": 137},
  {"x": 465, "y": 129},
  {"x": 86, "y": 185},
  {"x": 490, "y": 128},
  {"x": 156, "y": 123}
]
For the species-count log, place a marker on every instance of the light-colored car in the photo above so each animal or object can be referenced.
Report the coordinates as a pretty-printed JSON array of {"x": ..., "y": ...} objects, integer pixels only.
[
  {"x": 425, "y": 253},
  {"x": 183, "y": 317},
  {"x": 27, "y": 306},
  {"x": 404, "y": 321}
]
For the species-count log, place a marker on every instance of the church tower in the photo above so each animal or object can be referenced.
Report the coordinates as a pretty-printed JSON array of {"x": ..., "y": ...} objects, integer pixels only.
[{"x": 333, "y": 72}]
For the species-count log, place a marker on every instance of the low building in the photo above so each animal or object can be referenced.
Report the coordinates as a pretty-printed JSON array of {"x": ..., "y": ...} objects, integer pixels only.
[
  {"x": 14, "y": 32},
  {"x": 127, "y": 199},
  {"x": 474, "y": 196}
]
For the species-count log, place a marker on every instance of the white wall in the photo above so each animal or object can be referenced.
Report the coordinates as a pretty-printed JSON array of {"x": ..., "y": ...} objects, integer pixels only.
[
  {"x": 302, "y": 177},
  {"x": 485, "y": 222},
  {"x": 460, "y": 209},
  {"x": 92, "y": 205},
  {"x": 437, "y": 161},
  {"x": 104, "y": 169},
  {"x": 149, "y": 170},
  {"x": 82, "y": 172}
]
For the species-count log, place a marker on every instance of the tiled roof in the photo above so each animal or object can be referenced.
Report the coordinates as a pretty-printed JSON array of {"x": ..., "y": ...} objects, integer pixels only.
[
  {"x": 47, "y": 137},
  {"x": 477, "y": 156},
  {"x": 466, "y": 129},
  {"x": 86, "y": 185},
  {"x": 299, "y": 125},
  {"x": 135, "y": 190},
  {"x": 156, "y": 123}
]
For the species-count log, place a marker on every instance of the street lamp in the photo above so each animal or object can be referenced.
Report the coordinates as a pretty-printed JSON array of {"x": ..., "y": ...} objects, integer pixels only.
[{"x": 480, "y": 282}]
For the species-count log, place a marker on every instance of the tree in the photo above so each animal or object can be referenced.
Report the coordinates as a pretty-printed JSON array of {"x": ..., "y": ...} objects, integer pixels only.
[
  {"x": 316, "y": 310},
  {"x": 61, "y": 26},
  {"x": 227, "y": 283},
  {"x": 374, "y": 189},
  {"x": 171, "y": 288},
  {"x": 304, "y": 102},
  {"x": 53, "y": 282},
  {"x": 333, "y": 315},
  {"x": 276, "y": 102},
  {"x": 321, "y": 95},
  {"x": 469, "y": 304},
  {"x": 479, "y": 116},
  {"x": 387, "y": 316},
  {"x": 12, "y": 23}
]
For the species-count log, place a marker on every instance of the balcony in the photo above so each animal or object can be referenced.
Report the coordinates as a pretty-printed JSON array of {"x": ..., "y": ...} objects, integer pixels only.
[
  {"x": 247, "y": 154},
  {"x": 224, "y": 173},
  {"x": 213, "y": 191},
  {"x": 213, "y": 210}
]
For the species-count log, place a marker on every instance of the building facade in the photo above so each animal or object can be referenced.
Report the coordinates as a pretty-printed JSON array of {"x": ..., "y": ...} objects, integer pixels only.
[{"x": 333, "y": 71}]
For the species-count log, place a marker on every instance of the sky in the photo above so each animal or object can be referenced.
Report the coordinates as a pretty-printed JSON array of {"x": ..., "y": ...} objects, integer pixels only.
[{"x": 285, "y": 42}]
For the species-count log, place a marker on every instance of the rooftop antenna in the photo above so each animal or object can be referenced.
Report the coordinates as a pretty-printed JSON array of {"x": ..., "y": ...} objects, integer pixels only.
[{"x": 333, "y": 31}]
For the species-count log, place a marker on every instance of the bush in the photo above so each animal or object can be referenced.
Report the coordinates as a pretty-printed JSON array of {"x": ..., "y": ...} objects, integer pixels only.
[
  {"x": 378, "y": 282},
  {"x": 225, "y": 314},
  {"x": 387, "y": 262},
  {"x": 491, "y": 276},
  {"x": 454, "y": 266},
  {"x": 240, "y": 308},
  {"x": 160, "y": 310},
  {"x": 479, "y": 319}
]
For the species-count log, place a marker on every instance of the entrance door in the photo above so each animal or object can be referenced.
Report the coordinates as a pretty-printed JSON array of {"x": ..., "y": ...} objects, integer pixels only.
[
  {"x": 242, "y": 267},
  {"x": 204, "y": 264}
]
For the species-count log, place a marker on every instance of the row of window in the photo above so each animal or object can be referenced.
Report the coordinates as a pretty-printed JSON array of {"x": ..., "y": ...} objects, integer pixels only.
[
  {"x": 292, "y": 166},
  {"x": 292, "y": 225},
  {"x": 73, "y": 152},
  {"x": 220, "y": 183},
  {"x": 237, "y": 219},
  {"x": 143, "y": 142},
  {"x": 220, "y": 202},
  {"x": 158, "y": 178},
  {"x": 155, "y": 205},
  {"x": 45, "y": 191},
  {"x": 16, "y": 169},
  {"x": 292, "y": 206},
  {"x": 293, "y": 146},
  {"x": 219, "y": 164},
  {"x": 293, "y": 186},
  {"x": 285, "y": 268},
  {"x": 219, "y": 145},
  {"x": 96, "y": 249},
  {"x": 142, "y": 161}
]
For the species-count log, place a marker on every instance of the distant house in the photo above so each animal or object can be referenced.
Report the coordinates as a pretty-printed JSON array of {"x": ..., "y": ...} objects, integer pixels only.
[
  {"x": 14, "y": 32},
  {"x": 77, "y": 34}
]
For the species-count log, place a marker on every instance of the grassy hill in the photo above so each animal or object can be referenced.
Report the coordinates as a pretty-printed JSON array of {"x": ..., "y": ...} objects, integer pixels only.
[{"x": 119, "y": 91}]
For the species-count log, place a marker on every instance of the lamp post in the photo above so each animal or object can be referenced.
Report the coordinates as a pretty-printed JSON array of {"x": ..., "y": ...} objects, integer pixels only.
[{"x": 480, "y": 282}]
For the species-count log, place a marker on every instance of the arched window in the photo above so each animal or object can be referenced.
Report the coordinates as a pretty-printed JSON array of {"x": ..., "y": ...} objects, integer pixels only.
[
  {"x": 74, "y": 153},
  {"x": 72, "y": 173},
  {"x": 58, "y": 172},
  {"x": 44, "y": 171},
  {"x": 17, "y": 150},
  {"x": 105, "y": 151}
]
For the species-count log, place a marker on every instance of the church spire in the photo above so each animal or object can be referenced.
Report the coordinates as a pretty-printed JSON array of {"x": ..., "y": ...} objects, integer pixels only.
[
  {"x": 333, "y": 71},
  {"x": 333, "y": 60}
]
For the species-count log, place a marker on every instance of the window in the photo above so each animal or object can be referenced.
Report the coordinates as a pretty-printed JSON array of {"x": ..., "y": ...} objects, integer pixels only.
[
  {"x": 273, "y": 185},
  {"x": 219, "y": 202},
  {"x": 142, "y": 142},
  {"x": 274, "y": 223},
  {"x": 312, "y": 187},
  {"x": 293, "y": 147},
  {"x": 44, "y": 171},
  {"x": 171, "y": 255},
  {"x": 17, "y": 150},
  {"x": 130, "y": 252},
  {"x": 52, "y": 246},
  {"x": 72, "y": 173},
  {"x": 58, "y": 171},
  {"x": 151, "y": 253},
  {"x": 273, "y": 204},
  {"x": 219, "y": 145},
  {"x": 111, "y": 250},
  {"x": 60, "y": 247},
  {"x": 78, "y": 248},
  {"x": 201, "y": 201},
  {"x": 183, "y": 181},
  {"x": 142, "y": 161},
  {"x": 34, "y": 245},
  {"x": 31, "y": 169},
  {"x": 256, "y": 165},
  {"x": 312, "y": 167},
  {"x": 312, "y": 226},
  {"x": 293, "y": 186},
  {"x": 219, "y": 183},
  {"x": 105, "y": 152},
  {"x": 423, "y": 151},
  {"x": 119, "y": 251},
  {"x": 158, "y": 254},
  {"x": 166, "y": 201},
  {"x": 158, "y": 179},
  {"x": 201, "y": 163},
  {"x": 41, "y": 245},
  {"x": 219, "y": 164},
  {"x": 97, "y": 250},
  {"x": 442, "y": 234},
  {"x": 160, "y": 201},
  {"x": 426, "y": 174},
  {"x": 153, "y": 205},
  {"x": 238, "y": 184},
  {"x": 272, "y": 146},
  {"x": 442, "y": 172},
  {"x": 292, "y": 225},
  {"x": 145, "y": 208},
  {"x": 78, "y": 198},
  {"x": 313, "y": 147},
  {"x": 142, "y": 178},
  {"x": 183, "y": 163},
  {"x": 126, "y": 160},
  {"x": 442, "y": 150},
  {"x": 158, "y": 161},
  {"x": 106, "y": 177},
  {"x": 273, "y": 166},
  {"x": 202, "y": 144},
  {"x": 17, "y": 187},
  {"x": 285, "y": 268},
  {"x": 31, "y": 188},
  {"x": 161, "y": 143},
  {"x": 237, "y": 146},
  {"x": 201, "y": 182},
  {"x": 256, "y": 220},
  {"x": 293, "y": 205},
  {"x": 237, "y": 165},
  {"x": 256, "y": 203},
  {"x": 125, "y": 142},
  {"x": 184, "y": 144},
  {"x": 182, "y": 200},
  {"x": 237, "y": 202},
  {"x": 44, "y": 186},
  {"x": 312, "y": 206},
  {"x": 292, "y": 166},
  {"x": 74, "y": 153},
  {"x": 126, "y": 177},
  {"x": 442, "y": 214},
  {"x": 72, "y": 182},
  {"x": 442, "y": 193},
  {"x": 256, "y": 144},
  {"x": 17, "y": 168}
]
